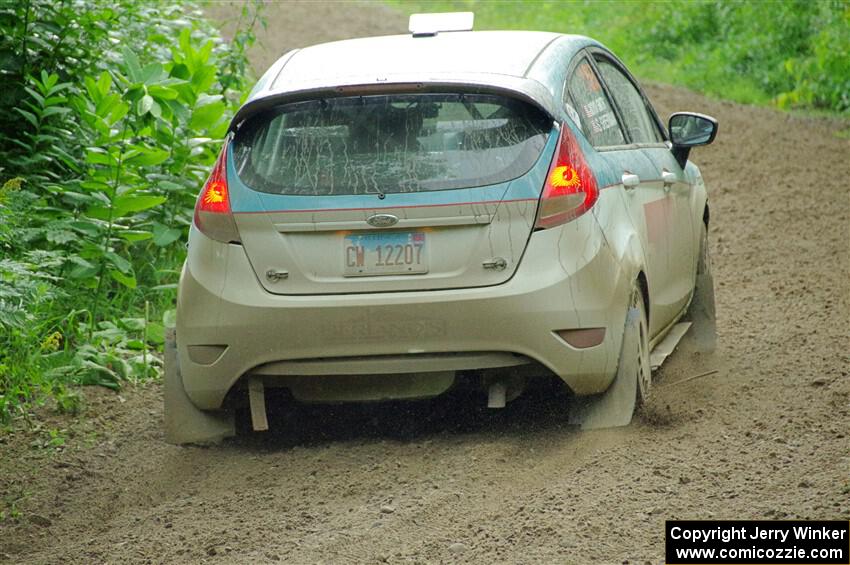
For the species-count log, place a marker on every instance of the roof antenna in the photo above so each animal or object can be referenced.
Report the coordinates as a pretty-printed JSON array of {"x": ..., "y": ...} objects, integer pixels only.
[{"x": 428, "y": 25}]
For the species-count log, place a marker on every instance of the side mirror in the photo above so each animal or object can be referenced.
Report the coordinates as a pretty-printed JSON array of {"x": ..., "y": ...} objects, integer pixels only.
[{"x": 689, "y": 130}]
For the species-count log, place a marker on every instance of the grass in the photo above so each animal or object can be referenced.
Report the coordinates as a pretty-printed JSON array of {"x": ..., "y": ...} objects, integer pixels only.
[{"x": 788, "y": 54}]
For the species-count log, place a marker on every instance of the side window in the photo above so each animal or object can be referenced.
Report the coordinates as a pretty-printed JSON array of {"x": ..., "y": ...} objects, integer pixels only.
[
  {"x": 595, "y": 113},
  {"x": 636, "y": 118}
]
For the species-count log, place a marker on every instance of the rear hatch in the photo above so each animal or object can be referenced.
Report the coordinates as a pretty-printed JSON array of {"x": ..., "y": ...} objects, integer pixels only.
[{"x": 390, "y": 192}]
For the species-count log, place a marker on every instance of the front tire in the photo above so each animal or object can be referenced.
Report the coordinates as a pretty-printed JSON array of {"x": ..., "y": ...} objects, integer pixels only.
[{"x": 701, "y": 312}]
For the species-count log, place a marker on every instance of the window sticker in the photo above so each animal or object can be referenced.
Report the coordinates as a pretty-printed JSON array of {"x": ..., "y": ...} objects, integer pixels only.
[
  {"x": 598, "y": 120},
  {"x": 573, "y": 114},
  {"x": 603, "y": 122},
  {"x": 599, "y": 114},
  {"x": 636, "y": 116},
  {"x": 589, "y": 77},
  {"x": 594, "y": 107}
]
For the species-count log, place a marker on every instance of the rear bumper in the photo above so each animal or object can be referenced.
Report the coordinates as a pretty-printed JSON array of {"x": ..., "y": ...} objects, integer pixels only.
[{"x": 568, "y": 279}]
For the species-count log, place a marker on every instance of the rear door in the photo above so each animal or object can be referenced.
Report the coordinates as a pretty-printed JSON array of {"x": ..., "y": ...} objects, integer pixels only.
[
  {"x": 636, "y": 177},
  {"x": 667, "y": 210},
  {"x": 389, "y": 192}
]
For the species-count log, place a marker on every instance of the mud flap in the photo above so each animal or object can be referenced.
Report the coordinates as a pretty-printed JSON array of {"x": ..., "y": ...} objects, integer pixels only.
[
  {"x": 614, "y": 407},
  {"x": 702, "y": 336},
  {"x": 184, "y": 422}
]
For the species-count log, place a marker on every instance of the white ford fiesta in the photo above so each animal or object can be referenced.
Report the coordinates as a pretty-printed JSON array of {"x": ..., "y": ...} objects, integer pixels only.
[{"x": 391, "y": 215}]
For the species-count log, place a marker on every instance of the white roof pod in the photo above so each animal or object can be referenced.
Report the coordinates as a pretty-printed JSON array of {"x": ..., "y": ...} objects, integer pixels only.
[{"x": 431, "y": 24}]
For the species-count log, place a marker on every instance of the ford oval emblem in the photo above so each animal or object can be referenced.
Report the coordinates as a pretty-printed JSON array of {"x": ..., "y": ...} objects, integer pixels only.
[{"x": 382, "y": 220}]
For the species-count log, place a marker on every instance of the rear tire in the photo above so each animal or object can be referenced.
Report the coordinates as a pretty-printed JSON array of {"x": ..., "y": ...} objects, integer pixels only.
[
  {"x": 631, "y": 386},
  {"x": 643, "y": 369}
]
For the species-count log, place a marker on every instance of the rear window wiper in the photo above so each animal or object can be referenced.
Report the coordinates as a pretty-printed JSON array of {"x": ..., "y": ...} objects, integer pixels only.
[{"x": 375, "y": 190}]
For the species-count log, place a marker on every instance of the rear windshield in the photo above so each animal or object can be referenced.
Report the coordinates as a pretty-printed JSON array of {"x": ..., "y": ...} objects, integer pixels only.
[{"x": 389, "y": 143}]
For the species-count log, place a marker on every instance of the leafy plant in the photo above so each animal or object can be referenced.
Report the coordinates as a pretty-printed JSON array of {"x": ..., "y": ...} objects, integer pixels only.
[
  {"x": 46, "y": 144},
  {"x": 104, "y": 158}
]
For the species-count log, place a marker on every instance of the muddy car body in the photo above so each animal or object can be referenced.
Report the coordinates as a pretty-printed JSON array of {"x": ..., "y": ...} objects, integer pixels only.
[{"x": 570, "y": 246}]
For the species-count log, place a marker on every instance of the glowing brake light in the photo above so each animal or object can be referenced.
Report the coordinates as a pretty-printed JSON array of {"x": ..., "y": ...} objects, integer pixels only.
[
  {"x": 570, "y": 189},
  {"x": 215, "y": 197},
  {"x": 213, "y": 216}
]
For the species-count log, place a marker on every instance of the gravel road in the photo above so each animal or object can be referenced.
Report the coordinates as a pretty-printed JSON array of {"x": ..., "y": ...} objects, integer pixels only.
[{"x": 766, "y": 436}]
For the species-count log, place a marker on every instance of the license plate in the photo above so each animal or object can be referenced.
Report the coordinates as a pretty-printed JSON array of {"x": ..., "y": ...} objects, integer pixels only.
[{"x": 385, "y": 253}]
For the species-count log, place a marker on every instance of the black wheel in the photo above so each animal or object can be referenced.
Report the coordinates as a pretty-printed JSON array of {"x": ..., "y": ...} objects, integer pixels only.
[
  {"x": 704, "y": 260},
  {"x": 633, "y": 381},
  {"x": 701, "y": 313},
  {"x": 640, "y": 350}
]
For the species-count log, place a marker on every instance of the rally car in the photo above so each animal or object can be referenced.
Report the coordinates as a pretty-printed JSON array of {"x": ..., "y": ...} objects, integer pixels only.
[{"x": 390, "y": 215}]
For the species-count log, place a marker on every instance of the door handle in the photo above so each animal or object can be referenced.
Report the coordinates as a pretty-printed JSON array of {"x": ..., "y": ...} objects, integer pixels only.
[
  {"x": 630, "y": 181},
  {"x": 669, "y": 179}
]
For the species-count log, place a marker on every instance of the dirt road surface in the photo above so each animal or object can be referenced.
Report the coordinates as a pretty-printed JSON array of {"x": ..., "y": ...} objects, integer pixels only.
[{"x": 446, "y": 481}]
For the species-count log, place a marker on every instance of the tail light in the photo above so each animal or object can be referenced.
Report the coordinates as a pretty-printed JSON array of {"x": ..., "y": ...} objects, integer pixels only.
[
  {"x": 570, "y": 188},
  {"x": 213, "y": 216}
]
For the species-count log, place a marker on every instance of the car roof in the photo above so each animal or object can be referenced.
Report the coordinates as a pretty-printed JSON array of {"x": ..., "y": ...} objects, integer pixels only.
[
  {"x": 527, "y": 63},
  {"x": 501, "y": 52}
]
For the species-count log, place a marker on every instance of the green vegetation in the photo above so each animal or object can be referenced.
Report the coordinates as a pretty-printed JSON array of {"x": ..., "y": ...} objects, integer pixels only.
[
  {"x": 110, "y": 118},
  {"x": 794, "y": 53}
]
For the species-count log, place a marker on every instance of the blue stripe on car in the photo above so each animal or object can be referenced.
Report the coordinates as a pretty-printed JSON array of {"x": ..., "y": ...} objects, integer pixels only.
[{"x": 528, "y": 186}]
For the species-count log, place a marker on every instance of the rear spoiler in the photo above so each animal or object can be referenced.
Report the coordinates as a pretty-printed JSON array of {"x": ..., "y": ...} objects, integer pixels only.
[{"x": 527, "y": 90}]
